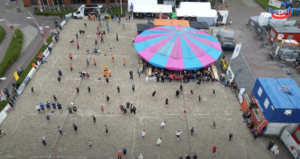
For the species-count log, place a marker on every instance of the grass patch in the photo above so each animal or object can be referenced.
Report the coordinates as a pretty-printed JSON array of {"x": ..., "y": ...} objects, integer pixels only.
[
  {"x": 3, "y": 103},
  {"x": 13, "y": 52},
  {"x": 266, "y": 4},
  {"x": 29, "y": 66},
  {"x": 117, "y": 10},
  {"x": 2, "y": 33},
  {"x": 55, "y": 13}
]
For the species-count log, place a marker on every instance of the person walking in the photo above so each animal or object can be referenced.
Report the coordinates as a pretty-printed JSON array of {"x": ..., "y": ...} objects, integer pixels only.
[
  {"x": 70, "y": 56},
  {"x": 178, "y": 134},
  {"x": 107, "y": 29},
  {"x": 130, "y": 79},
  {"x": 162, "y": 124},
  {"x": 87, "y": 49},
  {"x": 177, "y": 94},
  {"x": 167, "y": 102},
  {"x": 75, "y": 128},
  {"x": 90, "y": 143},
  {"x": 44, "y": 141},
  {"x": 195, "y": 156},
  {"x": 158, "y": 142},
  {"x": 94, "y": 61},
  {"x": 59, "y": 130},
  {"x": 42, "y": 107},
  {"x": 53, "y": 105},
  {"x": 94, "y": 119},
  {"x": 214, "y": 123},
  {"x": 230, "y": 136},
  {"x": 117, "y": 36},
  {"x": 32, "y": 90},
  {"x": 77, "y": 44},
  {"x": 77, "y": 36},
  {"x": 120, "y": 155},
  {"x": 124, "y": 152},
  {"x": 48, "y": 105},
  {"x": 181, "y": 89},
  {"x": 153, "y": 95},
  {"x": 59, "y": 72},
  {"x": 133, "y": 109},
  {"x": 214, "y": 149},
  {"x": 271, "y": 144},
  {"x": 123, "y": 26},
  {"x": 77, "y": 90},
  {"x": 124, "y": 62},
  {"x": 38, "y": 108},
  {"x": 106, "y": 129},
  {"x": 102, "y": 109},
  {"x": 89, "y": 89},
  {"x": 112, "y": 58},
  {"x": 199, "y": 98},
  {"x": 192, "y": 92},
  {"x": 214, "y": 92},
  {"x": 110, "y": 47},
  {"x": 192, "y": 131},
  {"x": 143, "y": 134},
  {"x": 107, "y": 98},
  {"x": 87, "y": 62},
  {"x": 54, "y": 97},
  {"x": 71, "y": 68},
  {"x": 58, "y": 79},
  {"x": 118, "y": 89},
  {"x": 106, "y": 79},
  {"x": 101, "y": 37},
  {"x": 132, "y": 87}
]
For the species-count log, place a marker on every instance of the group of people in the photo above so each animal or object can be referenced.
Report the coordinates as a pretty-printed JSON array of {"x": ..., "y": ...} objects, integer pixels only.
[{"x": 273, "y": 148}]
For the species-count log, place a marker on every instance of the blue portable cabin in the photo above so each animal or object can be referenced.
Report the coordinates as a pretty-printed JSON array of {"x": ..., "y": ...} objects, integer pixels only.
[{"x": 279, "y": 99}]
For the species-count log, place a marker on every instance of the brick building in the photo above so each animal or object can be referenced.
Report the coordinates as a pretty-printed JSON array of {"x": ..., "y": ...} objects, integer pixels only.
[{"x": 29, "y": 3}]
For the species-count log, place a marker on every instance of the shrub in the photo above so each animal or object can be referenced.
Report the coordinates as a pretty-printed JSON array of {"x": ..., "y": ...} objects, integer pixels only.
[
  {"x": 56, "y": 13},
  {"x": 3, "y": 103},
  {"x": 2, "y": 33},
  {"x": 13, "y": 52},
  {"x": 117, "y": 10},
  {"x": 29, "y": 66}
]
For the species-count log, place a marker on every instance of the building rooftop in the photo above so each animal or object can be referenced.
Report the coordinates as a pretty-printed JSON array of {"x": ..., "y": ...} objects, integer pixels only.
[{"x": 282, "y": 29}]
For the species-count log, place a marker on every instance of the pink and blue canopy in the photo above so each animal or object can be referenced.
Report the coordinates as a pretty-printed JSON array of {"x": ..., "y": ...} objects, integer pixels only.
[{"x": 177, "y": 47}]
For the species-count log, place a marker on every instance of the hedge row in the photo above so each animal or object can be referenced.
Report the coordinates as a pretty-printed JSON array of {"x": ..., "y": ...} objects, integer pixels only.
[
  {"x": 29, "y": 66},
  {"x": 13, "y": 52},
  {"x": 2, "y": 33},
  {"x": 57, "y": 13},
  {"x": 27, "y": 70}
]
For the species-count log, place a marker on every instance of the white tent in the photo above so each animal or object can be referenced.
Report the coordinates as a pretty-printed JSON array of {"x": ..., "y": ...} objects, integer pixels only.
[
  {"x": 140, "y": 2},
  {"x": 209, "y": 16},
  {"x": 152, "y": 8},
  {"x": 195, "y": 5}
]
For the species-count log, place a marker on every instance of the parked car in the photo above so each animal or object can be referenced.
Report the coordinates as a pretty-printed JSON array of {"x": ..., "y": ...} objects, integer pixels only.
[{"x": 228, "y": 46}]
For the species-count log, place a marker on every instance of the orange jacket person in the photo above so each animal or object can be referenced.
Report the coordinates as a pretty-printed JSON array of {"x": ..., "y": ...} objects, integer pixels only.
[
  {"x": 105, "y": 68},
  {"x": 112, "y": 58},
  {"x": 70, "y": 56},
  {"x": 124, "y": 62},
  {"x": 109, "y": 73},
  {"x": 33, "y": 65},
  {"x": 94, "y": 62},
  {"x": 104, "y": 74},
  {"x": 71, "y": 67}
]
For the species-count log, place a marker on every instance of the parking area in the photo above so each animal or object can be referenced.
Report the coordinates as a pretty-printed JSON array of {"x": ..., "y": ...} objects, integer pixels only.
[{"x": 25, "y": 127}]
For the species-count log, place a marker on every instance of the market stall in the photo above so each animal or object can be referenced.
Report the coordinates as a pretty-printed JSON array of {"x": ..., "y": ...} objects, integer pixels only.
[
  {"x": 162, "y": 22},
  {"x": 284, "y": 32}
]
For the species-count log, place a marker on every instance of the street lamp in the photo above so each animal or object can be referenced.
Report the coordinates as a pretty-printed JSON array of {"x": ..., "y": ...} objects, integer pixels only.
[{"x": 40, "y": 28}]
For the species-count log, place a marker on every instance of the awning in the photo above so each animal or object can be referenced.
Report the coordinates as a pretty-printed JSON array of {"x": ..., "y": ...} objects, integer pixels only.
[{"x": 152, "y": 8}]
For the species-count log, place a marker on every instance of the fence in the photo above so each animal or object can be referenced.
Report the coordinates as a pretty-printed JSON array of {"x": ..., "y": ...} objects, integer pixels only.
[
  {"x": 261, "y": 31},
  {"x": 224, "y": 32},
  {"x": 30, "y": 75}
]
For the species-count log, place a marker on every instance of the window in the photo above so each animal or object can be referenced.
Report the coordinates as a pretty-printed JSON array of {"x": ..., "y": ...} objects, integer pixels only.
[
  {"x": 272, "y": 33},
  {"x": 44, "y": 2},
  {"x": 111, "y": 1},
  {"x": 266, "y": 103},
  {"x": 97, "y": 1},
  {"x": 290, "y": 37},
  {"x": 259, "y": 92},
  {"x": 160, "y": 2},
  {"x": 78, "y": 1},
  {"x": 58, "y": 2}
]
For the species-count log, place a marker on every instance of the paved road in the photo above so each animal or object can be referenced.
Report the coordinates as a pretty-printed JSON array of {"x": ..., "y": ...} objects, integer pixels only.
[{"x": 20, "y": 19}]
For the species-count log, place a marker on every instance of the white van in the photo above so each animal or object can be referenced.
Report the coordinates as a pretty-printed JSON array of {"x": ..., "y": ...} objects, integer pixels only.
[{"x": 84, "y": 10}]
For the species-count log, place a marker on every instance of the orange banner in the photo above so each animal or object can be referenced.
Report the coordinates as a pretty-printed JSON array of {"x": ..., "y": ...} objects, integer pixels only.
[
  {"x": 10, "y": 28},
  {"x": 40, "y": 6},
  {"x": 44, "y": 33}
]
